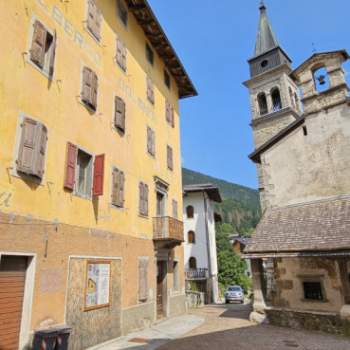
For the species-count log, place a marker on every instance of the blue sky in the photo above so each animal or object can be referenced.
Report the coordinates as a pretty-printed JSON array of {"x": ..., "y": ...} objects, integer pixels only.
[{"x": 214, "y": 39}]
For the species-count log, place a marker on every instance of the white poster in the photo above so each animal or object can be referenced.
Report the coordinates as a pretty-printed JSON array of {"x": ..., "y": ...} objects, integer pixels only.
[{"x": 97, "y": 291}]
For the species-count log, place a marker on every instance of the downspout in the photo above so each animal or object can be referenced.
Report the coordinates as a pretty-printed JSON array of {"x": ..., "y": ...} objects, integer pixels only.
[{"x": 207, "y": 235}]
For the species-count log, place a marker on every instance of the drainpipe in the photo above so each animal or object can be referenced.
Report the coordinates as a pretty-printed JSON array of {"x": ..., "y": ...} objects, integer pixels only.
[{"x": 207, "y": 234}]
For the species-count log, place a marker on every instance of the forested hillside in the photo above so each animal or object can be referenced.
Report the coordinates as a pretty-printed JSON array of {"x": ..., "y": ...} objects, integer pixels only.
[{"x": 240, "y": 206}]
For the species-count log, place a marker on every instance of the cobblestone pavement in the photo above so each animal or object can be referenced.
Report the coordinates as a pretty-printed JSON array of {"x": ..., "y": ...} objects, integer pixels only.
[{"x": 228, "y": 328}]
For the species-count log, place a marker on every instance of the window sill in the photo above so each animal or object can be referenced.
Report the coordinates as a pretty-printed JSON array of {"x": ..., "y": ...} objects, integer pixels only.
[
  {"x": 97, "y": 41},
  {"x": 142, "y": 216},
  {"x": 324, "y": 301},
  {"x": 82, "y": 196},
  {"x": 43, "y": 71}
]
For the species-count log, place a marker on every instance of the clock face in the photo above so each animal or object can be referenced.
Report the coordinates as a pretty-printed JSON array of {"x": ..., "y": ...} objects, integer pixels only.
[{"x": 264, "y": 63}]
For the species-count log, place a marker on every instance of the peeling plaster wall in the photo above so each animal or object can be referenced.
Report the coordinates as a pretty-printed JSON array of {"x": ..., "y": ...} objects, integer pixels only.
[{"x": 304, "y": 168}]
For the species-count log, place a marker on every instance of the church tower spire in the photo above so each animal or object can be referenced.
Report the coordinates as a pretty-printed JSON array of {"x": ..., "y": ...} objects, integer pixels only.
[
  {"x": 266, "y": 39},
  {"x": 273, "y": 94}
]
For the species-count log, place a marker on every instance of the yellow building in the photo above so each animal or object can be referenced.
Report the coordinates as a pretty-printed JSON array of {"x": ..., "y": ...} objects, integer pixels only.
[{"x": 90, "y": 177}]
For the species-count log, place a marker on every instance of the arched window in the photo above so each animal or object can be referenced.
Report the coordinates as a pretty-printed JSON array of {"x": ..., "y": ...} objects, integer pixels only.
[
  {"x": 321, "y": 79},
  {"x": 276, "y": 99},
  {"x": 191, "y": 237},
  {"x": 190, "y": 212},
  {"x": 192, "y": 263},
  {"x": 292, "y": 99},
  {"x": 262, "y": 103}
]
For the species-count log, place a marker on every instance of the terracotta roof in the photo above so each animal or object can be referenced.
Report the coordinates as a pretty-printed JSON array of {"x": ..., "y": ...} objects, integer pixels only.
[
  {"x": 317, "y": 226},
  {"x": 211, "y": 190},
  {"x": 155, "y": 34}
]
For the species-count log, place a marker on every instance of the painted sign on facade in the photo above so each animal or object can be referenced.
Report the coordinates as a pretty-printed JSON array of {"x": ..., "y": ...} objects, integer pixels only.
[{"x": 97, "y": 285}]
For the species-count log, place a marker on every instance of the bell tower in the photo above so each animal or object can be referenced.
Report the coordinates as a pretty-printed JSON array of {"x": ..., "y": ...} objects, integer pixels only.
[{"x": 274, "y": 95}]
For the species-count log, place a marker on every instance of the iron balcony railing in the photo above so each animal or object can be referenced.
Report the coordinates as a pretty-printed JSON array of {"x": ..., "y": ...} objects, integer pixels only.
[
  {"x": 168, "y": 228},
  {"x": 193, "y": 274}
]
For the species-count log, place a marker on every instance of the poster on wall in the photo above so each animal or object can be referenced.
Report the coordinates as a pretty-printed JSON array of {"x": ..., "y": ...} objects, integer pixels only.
[{"x": 98, "y": 284}]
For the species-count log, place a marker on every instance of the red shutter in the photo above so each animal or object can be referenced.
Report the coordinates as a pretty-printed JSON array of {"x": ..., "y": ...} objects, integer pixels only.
[
  {"x": 98, "y": 175},
  {"x": 70, "y": 166}
]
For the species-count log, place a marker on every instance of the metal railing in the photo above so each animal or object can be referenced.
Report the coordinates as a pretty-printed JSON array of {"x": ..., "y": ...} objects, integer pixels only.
[
  {"x": 192, "y": 274},
  {"x": 168, "y": 228}
]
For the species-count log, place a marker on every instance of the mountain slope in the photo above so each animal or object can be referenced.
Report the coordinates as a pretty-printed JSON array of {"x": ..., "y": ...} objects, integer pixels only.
[{"x": 240, "y": 206}]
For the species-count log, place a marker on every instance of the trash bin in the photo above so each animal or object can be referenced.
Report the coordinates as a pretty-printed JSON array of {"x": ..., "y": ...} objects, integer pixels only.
[
  {"x": 45, "y": 339},
  {"x": 62, "y": 338}
]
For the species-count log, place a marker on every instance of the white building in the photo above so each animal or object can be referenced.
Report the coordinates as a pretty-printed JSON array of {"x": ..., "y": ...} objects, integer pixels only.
[{"x": 200, "y": 238}]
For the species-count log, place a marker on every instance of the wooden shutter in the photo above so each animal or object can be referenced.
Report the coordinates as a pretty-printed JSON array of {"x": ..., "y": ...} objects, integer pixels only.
[
  {"x": 141, "y": 196},
  {"x": 150, "y": 90},
  {"x": 124, "y": 57},
  {"x": 121, "y": 54},
  {"x": 149, "y": 140},
  {"x": 98, "y": 175},
  {"x": 119, "y": 119},
  {"x": 121, "y": 189},
  {"x": 27, "y": 149},
  {"x": 146, "y": 199},
  {"x": 87, "y": 85},
  {"x": 71, "y": 162},
  {"x": 94, "y": 19},
  {"x": 94, "y": 88},
  {"x": 37, "y": 51},
  {"x": 114, "y": 199},
  {"x": 170, "y": 158},
  {"x": 53, "y": 55},
  {"x": 143, "y": 279},
  {"x": 172, "y": 116},
  {"x": 41, "y": 151}
]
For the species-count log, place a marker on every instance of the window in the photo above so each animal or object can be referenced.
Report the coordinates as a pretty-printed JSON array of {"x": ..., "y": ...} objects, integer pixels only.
[
  {"x": 149, "y": 54},
  {"x": 150, "y": 90},
  {"x": 121, "y": 55},
  {"x": 276, "y": 100},
  {"x": 321, "y": 79},
  {"x": 43, "y": 48},
  {"x": 32, "y": 148},
  {"x": 143, "y": 199},
  {"x": 192, "y": 263},
  {"x": 84, "y": 174},
  {"x": 119, "y": 114},
  {"x": 312, "y": 290},
  {"x": 143, "y": 279},
  {"x": 191, "y": 237},
  {"x": 264, "y": 63},
  {"x": 122, "y": 12},
  {"x": 175, "y": 209},
  {"x": 296, "y": 99},
  {"x": 262, "y": 103},
  {"x": 89, "y": 88},
  {"x": 167, "y": 80},
  {"x": 160, "y": 204},
  {"x": 118, "y": 184},
  {"x": 169, "y": 114},
  {"x": 190, "y": 212},
  {"x": 170, "y": 158},
  {"x": 94, "y": 20},
  {"x": 176, "y": 279},
  {"x": 151, "y": 143}
]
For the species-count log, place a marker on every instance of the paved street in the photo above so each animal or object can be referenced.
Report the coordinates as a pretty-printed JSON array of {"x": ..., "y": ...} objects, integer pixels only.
[{"x": 227, "y": 327}]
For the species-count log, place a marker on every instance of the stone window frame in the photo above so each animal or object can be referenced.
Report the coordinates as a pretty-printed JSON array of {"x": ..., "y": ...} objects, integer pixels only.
[{"x": 320, "y": 278}]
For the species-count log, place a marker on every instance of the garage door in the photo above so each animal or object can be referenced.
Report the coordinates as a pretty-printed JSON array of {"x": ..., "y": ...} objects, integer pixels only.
[{"x": 12, "y": 281}]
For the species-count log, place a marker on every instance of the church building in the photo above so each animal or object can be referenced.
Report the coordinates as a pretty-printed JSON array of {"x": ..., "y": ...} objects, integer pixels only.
[{"x": 301, "y": 127}]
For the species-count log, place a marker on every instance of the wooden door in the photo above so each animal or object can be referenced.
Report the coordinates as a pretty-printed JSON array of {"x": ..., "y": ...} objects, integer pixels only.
[
  {"x": 12, "y": 282},
  {"x": 161, "y": 273}
]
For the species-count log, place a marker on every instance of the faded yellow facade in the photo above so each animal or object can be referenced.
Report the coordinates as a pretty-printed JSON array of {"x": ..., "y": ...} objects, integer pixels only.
[
  {"x": 57, "y": 104},
  {"x": 54, "y": 226}
]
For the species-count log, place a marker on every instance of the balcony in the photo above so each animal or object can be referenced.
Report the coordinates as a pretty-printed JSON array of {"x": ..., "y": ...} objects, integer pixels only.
[
  {"x": 197, "y": 274},
  {"x": 168, "y": 231}
]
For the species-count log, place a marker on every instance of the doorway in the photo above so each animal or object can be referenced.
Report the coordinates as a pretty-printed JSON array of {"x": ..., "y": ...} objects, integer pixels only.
[
  {"x": 161, "y": 288},
  {"x": 160, "y": 204},
  {"x": 12, "y": 287}
]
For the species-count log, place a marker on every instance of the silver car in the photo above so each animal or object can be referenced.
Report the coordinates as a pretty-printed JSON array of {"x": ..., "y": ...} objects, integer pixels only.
[{"x": 234, "y": 293}]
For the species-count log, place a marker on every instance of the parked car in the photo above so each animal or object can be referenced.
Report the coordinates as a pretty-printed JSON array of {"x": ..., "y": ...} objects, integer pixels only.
[{"x": 234, "y": 293}]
